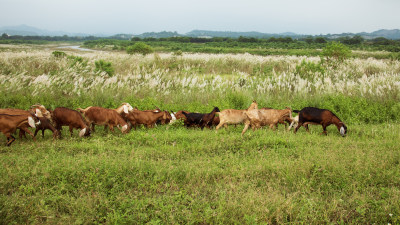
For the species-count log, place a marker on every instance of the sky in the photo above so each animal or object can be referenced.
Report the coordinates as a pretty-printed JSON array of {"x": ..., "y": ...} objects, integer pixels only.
[{"x": 138, "y": 16}]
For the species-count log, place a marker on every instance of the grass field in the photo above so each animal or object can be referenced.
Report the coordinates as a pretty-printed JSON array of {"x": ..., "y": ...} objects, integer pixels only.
[
  {"x": 170, "y": 174},
  {"x": 175, "y": 175}
]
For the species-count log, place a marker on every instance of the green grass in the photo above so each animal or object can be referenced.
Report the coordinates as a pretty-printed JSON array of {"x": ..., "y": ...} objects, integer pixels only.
[{"x": 177, "y": 175}]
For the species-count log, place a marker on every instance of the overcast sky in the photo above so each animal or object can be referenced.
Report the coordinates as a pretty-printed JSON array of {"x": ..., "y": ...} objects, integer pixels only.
[{"x": 136, "y": 17}]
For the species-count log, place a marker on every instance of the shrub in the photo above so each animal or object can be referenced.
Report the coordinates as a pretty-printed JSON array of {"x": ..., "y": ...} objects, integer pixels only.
[
  {"x": 335, "y": 52},
  {"x": 59, "y": 54},
  {"x": 74, "y": 60},
  {"x": 104, "y": 66},
  {"x": 139, "y": 47}
]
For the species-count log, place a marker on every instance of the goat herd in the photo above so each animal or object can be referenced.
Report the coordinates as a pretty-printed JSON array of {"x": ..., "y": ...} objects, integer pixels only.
[{"x": 125, "y": 117}]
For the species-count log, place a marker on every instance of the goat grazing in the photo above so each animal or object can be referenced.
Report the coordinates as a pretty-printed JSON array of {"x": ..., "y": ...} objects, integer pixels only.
[
  {"x": 45, "y": 124},
  {"x": 102, "y": 116},
  {"x": 23, "y": 127},
  {"x": 147, "y": 118},
  {"x": 9, "y": 123},
  {"x": 323, "y": 117},
  {"x": 68, "y": 117}
]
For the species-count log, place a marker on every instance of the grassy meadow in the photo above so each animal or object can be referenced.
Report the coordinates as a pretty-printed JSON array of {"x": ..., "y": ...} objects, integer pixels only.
[{"x": 171, "y": 174}]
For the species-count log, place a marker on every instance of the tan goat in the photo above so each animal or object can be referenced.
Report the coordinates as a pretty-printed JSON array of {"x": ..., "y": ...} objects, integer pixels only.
[
  {"x": 264, "y": 117},
  {"x": 234, "y": 116}
]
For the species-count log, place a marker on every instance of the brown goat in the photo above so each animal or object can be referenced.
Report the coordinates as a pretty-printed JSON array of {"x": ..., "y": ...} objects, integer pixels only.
[
  {"x": 323, "y": 117},
  {"x": 73, "y": 119},
  {"x": 9, "y": 123},
  {"x": 45, "y": 124},
  {"x": 101, "y": 116},
  {"x": 161, "y": 121},
  {"x": 23, "y": 128},
  {"x": 146, "y": 118}
]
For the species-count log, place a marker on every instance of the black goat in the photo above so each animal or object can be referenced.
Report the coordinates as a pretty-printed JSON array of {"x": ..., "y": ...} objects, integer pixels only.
[
  {"x": 324, "y": 117},
  {"x": 200, "y": 119}
]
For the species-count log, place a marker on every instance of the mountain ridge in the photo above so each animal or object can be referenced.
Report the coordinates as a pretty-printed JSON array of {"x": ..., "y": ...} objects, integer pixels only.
[{"x": 25, "y": 30}]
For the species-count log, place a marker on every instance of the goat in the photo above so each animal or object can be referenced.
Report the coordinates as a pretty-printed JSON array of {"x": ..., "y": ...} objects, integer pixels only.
[
  {"x": 161, "y": 121},
  {"x": 45, "y": 124},
  {"x": 263, "y": 117},
  {"x": 9, "y": 123},
  {"x": 284, "y": 120},
  {"x": 234, "y": 116},
  {"x": 200, "y": 119},
  {"x": 147, "y": 118},
  {"x": 101, "y": 116},
  {"x": 23, "y": 128},
  {"x": 68, "y": 117},
  {"x": 323, "y": 117}
]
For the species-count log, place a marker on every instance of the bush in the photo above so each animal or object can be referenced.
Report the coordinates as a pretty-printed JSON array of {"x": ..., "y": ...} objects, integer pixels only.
[
  {"x": 139, "y": 47},
  {"x": 104, "y": 66},
  {"x": 74, "y": 60},
  {"x": 335, "y": 52},
  {"x": 59, "y": 54}
]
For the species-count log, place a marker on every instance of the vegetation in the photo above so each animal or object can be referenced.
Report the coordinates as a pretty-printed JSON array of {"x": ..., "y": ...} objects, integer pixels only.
[
  {"x": 171, "y": 174},
  {"x": 103, "y": 66},
  {"x": 185, "y": 176},
  {"x": 139, "y": 47},
  {"x": 335, "y": 52}
]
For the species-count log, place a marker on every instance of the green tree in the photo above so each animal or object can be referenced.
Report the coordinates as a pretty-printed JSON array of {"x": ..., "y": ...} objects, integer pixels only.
[
  {"x": 320, "y": 40},
  {"x": 309, "y": 39},
  {"x": 139, "y": 47},
  {"x": 335, "y": 52}
]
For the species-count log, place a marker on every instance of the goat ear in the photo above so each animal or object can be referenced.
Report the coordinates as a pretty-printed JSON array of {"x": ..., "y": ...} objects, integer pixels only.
[
  {"x": 82, "y": 132},
  {"x": 38, "y": 113},
  {"x": 125, "y": 108},
  {"x": 31, "y": 122}
]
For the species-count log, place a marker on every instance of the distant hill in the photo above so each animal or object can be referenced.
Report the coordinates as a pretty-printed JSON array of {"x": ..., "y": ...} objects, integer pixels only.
[
  {"x": 389, "y": 34},
  {"x": 206, "y": 33},
  {"x": 25, "y": 30},
  {"x": 163, "y": 34}
]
